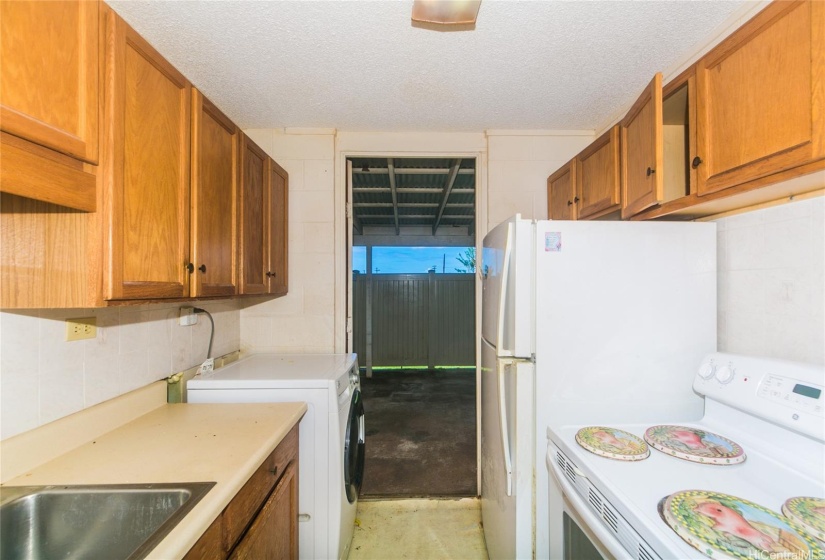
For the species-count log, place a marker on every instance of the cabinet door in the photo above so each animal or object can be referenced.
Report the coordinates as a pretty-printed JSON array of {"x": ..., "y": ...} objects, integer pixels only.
[
  {"x": 278, "y": 206},
  {"x": 49, "y": 74},
  {"x": 147, "y": 179},
  {"x": 215, "y": 176},
  {"x": 561, "y": 193},
  {"x": 274, "y": 532},
  {"x": 254, "y": 251},
  {"x": 597, "y": 177},
  {"x": 761, "y": 101},
  {"x": 642, "y": 151}
]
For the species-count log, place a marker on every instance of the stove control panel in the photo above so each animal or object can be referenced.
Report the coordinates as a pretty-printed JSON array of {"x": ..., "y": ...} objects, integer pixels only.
[{"x": 790, "y": 394}]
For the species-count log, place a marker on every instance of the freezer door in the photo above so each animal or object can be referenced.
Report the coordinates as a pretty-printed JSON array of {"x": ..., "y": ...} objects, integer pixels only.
[
  {"x": 507, "y": 288},
  {"x": 507, "y": 434}
]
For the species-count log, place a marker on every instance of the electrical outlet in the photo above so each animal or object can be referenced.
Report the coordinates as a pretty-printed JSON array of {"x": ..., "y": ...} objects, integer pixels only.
[
  {"x": 207, "y": 366},
  {"x": 188, "y": 317},
  {"x": 80, "y": 329}
]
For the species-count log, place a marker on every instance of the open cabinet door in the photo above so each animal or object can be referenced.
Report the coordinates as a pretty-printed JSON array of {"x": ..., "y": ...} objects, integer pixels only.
[
  {"x": 642, "y": 151},
  {"x": 350, "y": 219}
]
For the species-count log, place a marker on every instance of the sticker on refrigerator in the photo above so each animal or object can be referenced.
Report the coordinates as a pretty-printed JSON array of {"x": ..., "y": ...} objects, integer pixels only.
[{"x": 552, "y": 241}]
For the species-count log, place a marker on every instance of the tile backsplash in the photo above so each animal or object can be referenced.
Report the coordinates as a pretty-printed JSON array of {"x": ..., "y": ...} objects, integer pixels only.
[
  {"x": 45, "y": 378},
  {"x": 771, "y": 282}
]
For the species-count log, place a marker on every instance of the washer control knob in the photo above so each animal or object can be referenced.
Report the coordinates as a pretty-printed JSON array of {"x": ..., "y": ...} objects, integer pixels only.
[
  {"x": 725, "y": 374},
  {"x": 707, "y": 370}
]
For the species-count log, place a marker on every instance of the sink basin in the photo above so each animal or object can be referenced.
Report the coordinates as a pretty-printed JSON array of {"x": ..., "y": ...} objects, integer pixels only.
[{"x": 106, "y": 521}]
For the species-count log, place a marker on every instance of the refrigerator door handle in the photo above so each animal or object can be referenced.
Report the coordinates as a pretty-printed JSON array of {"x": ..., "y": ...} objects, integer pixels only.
[
  {"x": 502, "y": 296},
  {"x": 505, "y": 429}
]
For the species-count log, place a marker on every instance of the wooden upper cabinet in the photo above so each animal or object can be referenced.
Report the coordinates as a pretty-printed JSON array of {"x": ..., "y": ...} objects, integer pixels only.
[
  {"x": 761, "y": 98},
  {"x": 597, "y": 176},
  {"x": 561, "y": 193},
  {"x": 254, "y": 253},
  {"x": 642, "y": 151},
  {"x": 49, "y": 74},
  {"x": 146, "y": 173},
  {"x": 278, "y": 206},
  {"x": 215, "y": 179},
  {"x": 49, "y": 101}
]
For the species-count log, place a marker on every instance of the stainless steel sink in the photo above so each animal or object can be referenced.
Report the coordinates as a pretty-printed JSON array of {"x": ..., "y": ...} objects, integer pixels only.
[{"x": 107, "y": 521}]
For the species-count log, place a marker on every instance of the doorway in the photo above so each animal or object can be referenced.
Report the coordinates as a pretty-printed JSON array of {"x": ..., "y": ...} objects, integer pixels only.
[{"x": 412, "y": 316}]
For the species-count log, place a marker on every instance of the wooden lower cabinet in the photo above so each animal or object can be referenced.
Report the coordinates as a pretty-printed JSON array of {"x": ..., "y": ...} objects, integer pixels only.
[
  {"x": 274, "y": 532},
  {"x": 261, "y": 521}
]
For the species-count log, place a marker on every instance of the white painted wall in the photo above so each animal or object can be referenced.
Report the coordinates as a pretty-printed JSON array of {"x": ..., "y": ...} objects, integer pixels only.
[
  {"x": 519, "y": 163},
  {"x": 43, "y": 377},
  {"x": 303, "y": 320},
  {"x": 771, "y": 299},
  {"x": 312, "y": 317}
]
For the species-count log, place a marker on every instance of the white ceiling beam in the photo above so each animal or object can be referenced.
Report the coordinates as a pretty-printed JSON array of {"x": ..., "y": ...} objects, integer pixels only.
[
  {"x": 391, "y": 171},
  {"x": 412, "y": 204},
  {"x": 409, "y": 190},
  {"x": 411, "y": 171},
  {"x": 417, "y": 216},
  {"x": 448, "y": 187}
]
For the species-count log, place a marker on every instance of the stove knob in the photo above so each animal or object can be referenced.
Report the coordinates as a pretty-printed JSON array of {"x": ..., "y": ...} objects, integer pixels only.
[
  {"x": 725, "y": 374},
  {"x": 707, "y": 370}
]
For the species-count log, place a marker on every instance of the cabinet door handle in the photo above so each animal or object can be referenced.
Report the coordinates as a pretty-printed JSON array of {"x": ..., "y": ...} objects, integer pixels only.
[
  {"x": 576, "y": 199},
  {"x": 202, "y": 268},
  {"x": 697, "y": 161},
  {"x": 650, "y": 171},
  {"x": 273, "y": 470},
  {"x": 270, "y": 275},
  {"x": 190, "y": 268},
  {"x": 570, "y": 203}
]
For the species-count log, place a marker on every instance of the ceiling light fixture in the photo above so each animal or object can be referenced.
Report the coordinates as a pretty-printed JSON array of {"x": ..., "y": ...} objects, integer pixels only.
[{"x": 446, "y": 12}]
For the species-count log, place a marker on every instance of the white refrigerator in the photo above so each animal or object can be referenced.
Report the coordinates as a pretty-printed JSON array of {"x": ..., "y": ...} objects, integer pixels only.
[{"x": 582, "y": 322}]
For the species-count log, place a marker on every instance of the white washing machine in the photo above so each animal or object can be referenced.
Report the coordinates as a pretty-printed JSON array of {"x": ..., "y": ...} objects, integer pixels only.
[{"x": 330, "y": 435}]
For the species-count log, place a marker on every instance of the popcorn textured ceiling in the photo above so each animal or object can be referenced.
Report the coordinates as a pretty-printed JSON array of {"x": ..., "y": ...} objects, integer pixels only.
[{"x": 360, "y": 65}]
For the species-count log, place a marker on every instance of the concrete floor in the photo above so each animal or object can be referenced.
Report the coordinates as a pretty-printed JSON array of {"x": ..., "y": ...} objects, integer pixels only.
[
  {"x": 421, "y": 434},
  {"x": 418, "y": 529}
]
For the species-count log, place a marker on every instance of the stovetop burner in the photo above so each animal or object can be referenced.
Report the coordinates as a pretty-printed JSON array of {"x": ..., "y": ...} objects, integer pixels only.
[
  {"x": 809, "y": 513},
  {"x": 772, "y": 409},
  {"x": 612, "y": 443},
  {"x": 724, "y": 526},
  {"x": 693, "y": 444}
]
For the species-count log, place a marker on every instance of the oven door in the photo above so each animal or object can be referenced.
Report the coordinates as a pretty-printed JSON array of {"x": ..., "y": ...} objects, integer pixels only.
[
  {"x": 579, "y": 542},
  {"x": 580, "y": 534}
]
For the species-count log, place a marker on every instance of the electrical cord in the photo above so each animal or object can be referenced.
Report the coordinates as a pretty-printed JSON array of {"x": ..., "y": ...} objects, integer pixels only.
[{"x": 211, "y": 334}]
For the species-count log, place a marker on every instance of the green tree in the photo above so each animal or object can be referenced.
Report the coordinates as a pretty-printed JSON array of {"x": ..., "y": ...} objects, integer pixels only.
[{"x": 468, "y": 259}]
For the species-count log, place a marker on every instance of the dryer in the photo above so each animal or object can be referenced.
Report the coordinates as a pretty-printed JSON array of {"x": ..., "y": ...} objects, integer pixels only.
[{"x": 330, "y": 435}]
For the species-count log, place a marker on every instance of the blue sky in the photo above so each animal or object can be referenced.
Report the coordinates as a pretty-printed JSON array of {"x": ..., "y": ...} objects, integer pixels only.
[{"x": 398, "y": 260}]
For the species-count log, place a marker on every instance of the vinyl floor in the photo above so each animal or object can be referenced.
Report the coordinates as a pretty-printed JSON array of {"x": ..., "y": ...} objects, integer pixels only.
[{"x": 419, "y": 529}]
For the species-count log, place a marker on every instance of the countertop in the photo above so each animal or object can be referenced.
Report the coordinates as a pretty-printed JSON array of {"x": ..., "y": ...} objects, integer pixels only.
[{"x": 223, "y": 443}]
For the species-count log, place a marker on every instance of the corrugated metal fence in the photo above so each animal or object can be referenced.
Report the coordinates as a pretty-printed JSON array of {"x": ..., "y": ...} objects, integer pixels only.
[{"x": 414, "y": 319}]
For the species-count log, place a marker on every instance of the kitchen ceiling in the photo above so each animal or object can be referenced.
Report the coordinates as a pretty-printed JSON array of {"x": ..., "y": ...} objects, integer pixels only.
[{"x": 361, "y": 65}]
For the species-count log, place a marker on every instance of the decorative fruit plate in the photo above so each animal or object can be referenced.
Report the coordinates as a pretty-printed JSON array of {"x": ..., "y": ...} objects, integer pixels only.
[{"x": 612, "y": 443}]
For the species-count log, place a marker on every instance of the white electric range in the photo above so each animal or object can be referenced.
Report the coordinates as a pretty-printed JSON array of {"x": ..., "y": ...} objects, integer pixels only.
[{"x": 774, "y": 410}]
